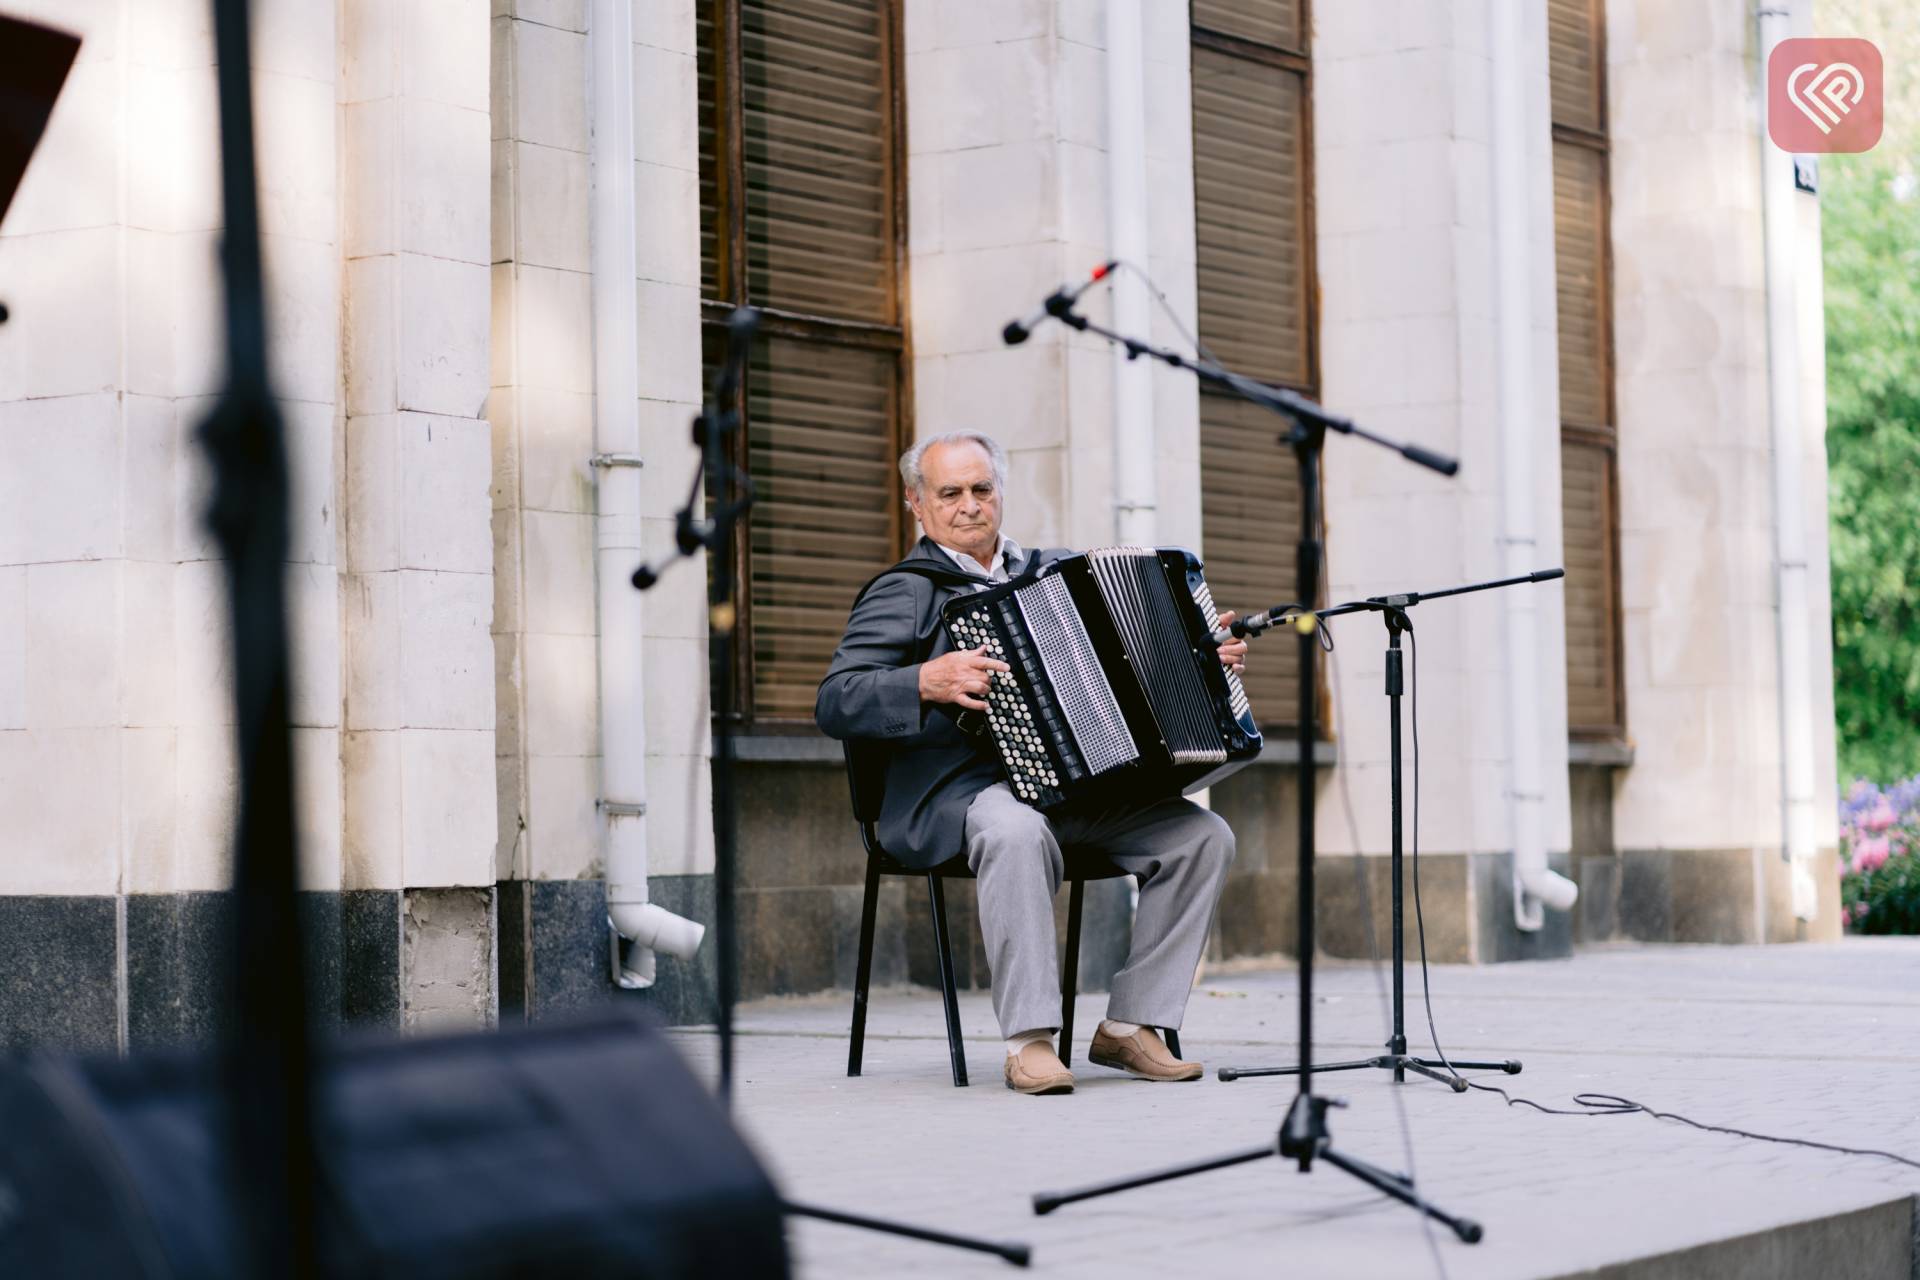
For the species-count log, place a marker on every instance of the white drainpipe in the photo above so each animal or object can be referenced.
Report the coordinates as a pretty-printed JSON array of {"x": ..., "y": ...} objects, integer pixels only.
[
  {"x": 616, "y": 464},
  {"x": 1535, "y": 885},
  {"x": 1789, "y": 515},
  {"x": 1136, "y": 502}
]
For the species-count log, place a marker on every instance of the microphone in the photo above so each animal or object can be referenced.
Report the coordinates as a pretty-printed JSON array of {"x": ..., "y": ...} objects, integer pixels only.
[
  {"x": 1059, "y": 300},
  {"x": 1241, "y": 628}
]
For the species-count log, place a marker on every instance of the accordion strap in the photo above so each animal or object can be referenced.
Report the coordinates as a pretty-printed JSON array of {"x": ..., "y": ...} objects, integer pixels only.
[{"x": 936, "y": 574}]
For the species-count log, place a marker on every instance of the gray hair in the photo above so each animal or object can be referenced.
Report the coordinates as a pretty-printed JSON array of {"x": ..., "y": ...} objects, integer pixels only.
[{"x": 910, "y": 460}]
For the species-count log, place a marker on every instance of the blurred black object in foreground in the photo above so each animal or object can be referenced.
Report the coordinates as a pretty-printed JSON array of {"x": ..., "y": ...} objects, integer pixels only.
[
  {"x": 34, "y": 62},
  {"x": 582, "y": 1150}
]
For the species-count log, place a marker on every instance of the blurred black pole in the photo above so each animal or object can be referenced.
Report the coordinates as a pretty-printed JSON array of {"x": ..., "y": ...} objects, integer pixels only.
[
  {"x": 269, "y": 1087},
  {"x": 731, "y": 498}
]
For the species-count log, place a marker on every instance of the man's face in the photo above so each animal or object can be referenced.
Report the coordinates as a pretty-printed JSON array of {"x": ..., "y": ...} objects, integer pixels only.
[{"x": 958, "y": 503}]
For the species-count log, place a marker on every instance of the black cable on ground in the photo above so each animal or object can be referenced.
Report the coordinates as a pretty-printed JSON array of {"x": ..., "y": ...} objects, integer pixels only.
[{"x": 1584, "y": 1104}]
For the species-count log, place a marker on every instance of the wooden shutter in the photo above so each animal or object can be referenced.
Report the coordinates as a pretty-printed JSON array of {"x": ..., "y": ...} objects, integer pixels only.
[
  {"x": 820, "y": 450},
  {"x": 1587, "y": 507},
  {"x": 819, "y": 230},
  {"x": 1580, "y": 252},
  {"x": 1574, "y": 45},
  {"x": 1269, "y": 22},
  {"x": 1249, "y": 192}
]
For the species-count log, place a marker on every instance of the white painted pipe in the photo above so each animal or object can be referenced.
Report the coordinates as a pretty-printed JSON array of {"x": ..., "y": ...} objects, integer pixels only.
[
  {"x": 1535, "y": 884},
  {"x": 1789, "y": 496},
  {"x": 1136, "y": 500},
  {"x": 612, "y": 218}
]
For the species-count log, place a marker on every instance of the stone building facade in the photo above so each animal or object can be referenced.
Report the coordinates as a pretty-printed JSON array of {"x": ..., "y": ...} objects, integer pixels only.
[{"x": 427, "y": 177}]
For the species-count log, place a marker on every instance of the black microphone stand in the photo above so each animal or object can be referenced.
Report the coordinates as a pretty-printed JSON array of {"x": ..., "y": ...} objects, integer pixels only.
[
  {"x": 1304, "y": 1135},
  {"x": 270, "y": 1073},
  {"x": 732, "y": 491},
  {"x": 1393, "y": 612}
]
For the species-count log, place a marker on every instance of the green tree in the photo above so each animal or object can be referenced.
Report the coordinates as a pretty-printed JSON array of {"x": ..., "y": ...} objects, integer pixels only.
[{"x": 1870, "y": 221}]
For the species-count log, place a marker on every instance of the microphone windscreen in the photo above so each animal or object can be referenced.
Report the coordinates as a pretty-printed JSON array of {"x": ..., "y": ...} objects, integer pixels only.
[
  {"x": 1432, "y": 461},
  {"x": 1014, "y": 334}
]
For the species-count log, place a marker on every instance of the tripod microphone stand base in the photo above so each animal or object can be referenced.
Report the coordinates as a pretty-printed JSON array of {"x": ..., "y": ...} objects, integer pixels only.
[
  {"x": 1399, "y": 1062},
  {"x": 1303, "y": 1138},
  {"x": 1393, "y": 612}
]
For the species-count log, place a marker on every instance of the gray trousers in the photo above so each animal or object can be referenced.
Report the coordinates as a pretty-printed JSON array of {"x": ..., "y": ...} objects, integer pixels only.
[{"x": 1179, "y": 851}]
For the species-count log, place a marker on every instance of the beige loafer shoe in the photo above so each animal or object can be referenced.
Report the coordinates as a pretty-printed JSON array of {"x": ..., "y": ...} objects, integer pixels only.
[
  {"x": 1142, "y": 1055},
  {"x": 1038, "y": 1069}
]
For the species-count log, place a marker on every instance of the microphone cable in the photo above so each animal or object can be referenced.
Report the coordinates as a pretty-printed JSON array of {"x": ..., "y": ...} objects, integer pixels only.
[{"x": 1584, "y": 1104}]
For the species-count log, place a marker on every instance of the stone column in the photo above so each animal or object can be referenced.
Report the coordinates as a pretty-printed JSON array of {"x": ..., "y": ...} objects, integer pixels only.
[
  {"x": 550, "y": 852},
  {"x": 1697, "y": 818},
  {"x": 1407, "y": 335},
  {"x": 418, "y": 753}
]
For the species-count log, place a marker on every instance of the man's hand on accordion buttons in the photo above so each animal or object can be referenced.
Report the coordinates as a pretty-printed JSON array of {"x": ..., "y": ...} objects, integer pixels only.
[
  {"x": 961, "y": 677},
  {"x": 1233, "y": 653}
]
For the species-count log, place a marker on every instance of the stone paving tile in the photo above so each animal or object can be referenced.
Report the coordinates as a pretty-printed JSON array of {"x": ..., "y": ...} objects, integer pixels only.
[{"x": 1819, "y": 1042}]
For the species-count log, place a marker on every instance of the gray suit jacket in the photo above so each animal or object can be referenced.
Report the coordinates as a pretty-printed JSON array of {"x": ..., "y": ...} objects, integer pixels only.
[{"x": 872, "y": 692}]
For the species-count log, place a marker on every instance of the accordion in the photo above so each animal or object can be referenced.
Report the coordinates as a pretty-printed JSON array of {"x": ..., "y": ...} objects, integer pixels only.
[{"x": 1115, "y": 690}]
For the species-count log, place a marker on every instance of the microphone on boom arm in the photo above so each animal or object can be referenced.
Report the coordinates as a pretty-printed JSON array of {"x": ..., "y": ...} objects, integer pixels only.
[{"x": 1058, "y": 302}]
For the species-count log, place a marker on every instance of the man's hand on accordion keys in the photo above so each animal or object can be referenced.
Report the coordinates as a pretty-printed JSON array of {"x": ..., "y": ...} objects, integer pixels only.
[
  {"x": 1233, "y": 653},
  {"x": 961, "y": 677}
]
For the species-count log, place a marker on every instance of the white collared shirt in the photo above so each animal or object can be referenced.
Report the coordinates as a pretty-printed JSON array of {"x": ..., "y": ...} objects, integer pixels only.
[{"x": 1006, "y": 553}]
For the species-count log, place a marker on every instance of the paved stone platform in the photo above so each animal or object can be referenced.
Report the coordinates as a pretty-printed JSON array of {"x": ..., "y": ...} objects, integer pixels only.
[{"x": 1821, "y": 1042}]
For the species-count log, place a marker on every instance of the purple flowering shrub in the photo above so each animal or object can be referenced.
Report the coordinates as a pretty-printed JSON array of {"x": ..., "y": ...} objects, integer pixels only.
[{"x": 1880, "y": 857}]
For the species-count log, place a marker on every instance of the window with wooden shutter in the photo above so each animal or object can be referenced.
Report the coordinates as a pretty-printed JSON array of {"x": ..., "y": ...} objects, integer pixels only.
[
  {"x": 1254, "y": 243},
  {"x": 802, "y": 214},
  {"x": 1576, "y": 49}
]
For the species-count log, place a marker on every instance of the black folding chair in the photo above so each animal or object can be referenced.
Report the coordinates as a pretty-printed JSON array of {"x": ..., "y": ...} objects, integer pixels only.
[{"x": 867, "y": 782}]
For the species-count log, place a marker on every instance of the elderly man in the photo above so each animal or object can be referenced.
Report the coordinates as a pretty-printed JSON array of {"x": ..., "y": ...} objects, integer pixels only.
[{"x": 896, "y": 679}]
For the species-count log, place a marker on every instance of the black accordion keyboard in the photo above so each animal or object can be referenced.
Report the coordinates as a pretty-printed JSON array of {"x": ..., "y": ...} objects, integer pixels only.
[{"x": 1114, "y": 690}]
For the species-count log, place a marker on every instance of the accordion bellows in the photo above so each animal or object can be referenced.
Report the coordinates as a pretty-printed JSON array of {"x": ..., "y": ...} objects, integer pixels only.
[{"x": 1115, "y": 691}]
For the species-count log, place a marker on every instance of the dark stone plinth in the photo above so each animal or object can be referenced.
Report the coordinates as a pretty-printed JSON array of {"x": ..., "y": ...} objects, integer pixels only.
[
  {"x": 178, "y": 968},
  {"x": 684, "y": 991},
  {"x": 1500, "y": 939},
  {"x": 554, "y": 950},
  {"x": 57, "y": 961},
  {"x": 370, "y": 958},
  {"x": 179, "y": 988}
]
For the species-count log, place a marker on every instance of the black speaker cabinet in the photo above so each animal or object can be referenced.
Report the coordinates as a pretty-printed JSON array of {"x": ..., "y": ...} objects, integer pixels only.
[{"x": 584, "y": 1149}]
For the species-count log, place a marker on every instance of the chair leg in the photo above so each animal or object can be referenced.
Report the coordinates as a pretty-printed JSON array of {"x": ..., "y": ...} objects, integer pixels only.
[
  {"x": 863, "y": 975},
  {"x": 938, "y": 898},
  {"x": 1070, "y": 970},
  {"x": 1173, "y": 1041}
]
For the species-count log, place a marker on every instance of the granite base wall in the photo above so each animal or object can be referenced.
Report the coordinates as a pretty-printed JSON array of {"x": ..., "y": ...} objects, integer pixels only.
[
  {"x": 1467, "y": 898},
  {"x": 91, "y": 974},
  {"x": 1742, "y": 895},
  {"x": 555, "y": 955}
]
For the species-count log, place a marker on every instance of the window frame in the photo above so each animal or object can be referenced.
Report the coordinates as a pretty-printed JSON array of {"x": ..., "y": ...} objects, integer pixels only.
[{"x": 730, "y": 259}]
